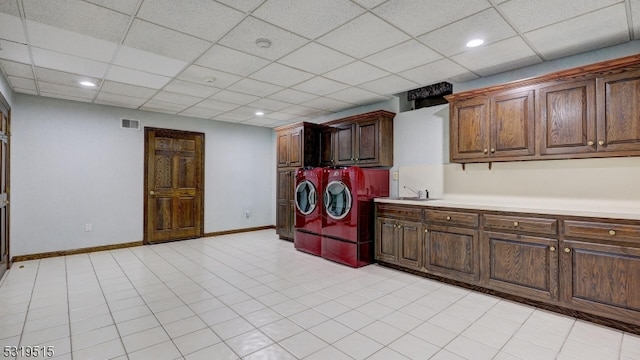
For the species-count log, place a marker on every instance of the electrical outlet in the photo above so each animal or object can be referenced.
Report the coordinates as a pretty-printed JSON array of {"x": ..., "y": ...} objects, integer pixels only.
[
  {"x": 247, "y": 214},
  {"x": 88, "y": 227}
]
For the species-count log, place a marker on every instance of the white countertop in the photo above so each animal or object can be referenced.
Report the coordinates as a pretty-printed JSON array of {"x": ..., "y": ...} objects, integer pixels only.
[{"x": 550, "y": 206}]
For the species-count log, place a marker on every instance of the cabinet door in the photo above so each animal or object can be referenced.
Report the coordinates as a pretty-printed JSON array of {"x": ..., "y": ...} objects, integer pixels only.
[
  {"x": 295, "y": 147},
  {"x": 469, "y": 136},
  {"x": 602, "y": 279},
  {"x": 285, "y": 207},
  {"x": 327, "y": 157},
  {"x": 345, "y": 144},
  {"x": 521, "y": 265},
  {"x": 367, "y": 146},
  {"x": 283, "y": 148},
  {"x": 385, "y": 240},
  {"x": 410, "y": 244},
  {"x": 453, "y": 253},
  {"x": 512, "y": 127},
  {"x": 618, "y": 118},
  {"x": 567, "y": 118}
]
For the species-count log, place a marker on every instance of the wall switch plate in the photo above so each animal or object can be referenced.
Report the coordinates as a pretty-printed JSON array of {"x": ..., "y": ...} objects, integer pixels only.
[{"x": 395, "y": 175}]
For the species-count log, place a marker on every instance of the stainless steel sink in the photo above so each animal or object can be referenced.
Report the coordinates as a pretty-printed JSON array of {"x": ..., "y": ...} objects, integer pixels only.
[{"x": 412, "y": 198}]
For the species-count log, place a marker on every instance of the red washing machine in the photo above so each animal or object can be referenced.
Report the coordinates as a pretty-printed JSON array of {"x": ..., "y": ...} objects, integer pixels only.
[
  {"x": 348, "y": 218},
  {"x": 308, "y": 218}
]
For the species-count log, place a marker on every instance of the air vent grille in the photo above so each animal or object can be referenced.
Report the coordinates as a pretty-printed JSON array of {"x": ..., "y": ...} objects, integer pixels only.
[{"x": 130, "y": 124}]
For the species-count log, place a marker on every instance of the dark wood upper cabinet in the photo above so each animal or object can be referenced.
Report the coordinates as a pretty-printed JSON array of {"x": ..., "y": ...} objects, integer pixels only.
[
  {"x": 327, "y": 157},
  {"x": 345, "y": 140},
  {"x": 470, "y": 129},
  {"x": 512, "y": 124},
  {"x": 618, "y": 99}
]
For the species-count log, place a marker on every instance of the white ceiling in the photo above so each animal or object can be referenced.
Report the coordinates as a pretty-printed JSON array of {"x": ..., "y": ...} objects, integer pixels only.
[{"x": 199, "y": 57}]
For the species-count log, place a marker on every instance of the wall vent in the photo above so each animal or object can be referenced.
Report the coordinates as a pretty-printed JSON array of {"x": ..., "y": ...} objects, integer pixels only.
[{"x": 130, "y": 124}]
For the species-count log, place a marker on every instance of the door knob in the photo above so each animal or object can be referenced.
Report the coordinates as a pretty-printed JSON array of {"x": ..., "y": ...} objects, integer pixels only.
[
  {"x": 552, "y": 248},
  {"x": 152, "y": 192},
  {"x": 611, "y": 232},
  {"x": 486, "y": 151},
  {"x": 493, "y": 150},
  {"x": 515, "y": 223},
  {"x": 590, "y": 143},
  {"x": 567, "y": 250},
  {"x": 600, "y": 142}
]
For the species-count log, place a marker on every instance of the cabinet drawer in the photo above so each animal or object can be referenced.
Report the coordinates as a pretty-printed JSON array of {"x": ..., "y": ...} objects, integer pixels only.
[
  {"x": 452, "y": 218},
  {"x": 543, "y": 226},
  {"x": 602, "y": 230},
  {"x": 399, "y": 212}
]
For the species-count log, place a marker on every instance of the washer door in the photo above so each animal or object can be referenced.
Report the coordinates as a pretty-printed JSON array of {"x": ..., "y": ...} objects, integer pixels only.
[
  {"x": 337, "y": 200},
  {"x": 306, "y": 197}
]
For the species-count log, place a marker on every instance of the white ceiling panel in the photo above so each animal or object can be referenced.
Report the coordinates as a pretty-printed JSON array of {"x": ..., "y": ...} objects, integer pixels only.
[
  {"x": 22, "y": 83},
  {"x": 26, "y": 91},
  {"x": 159, "y": 40},
  {"x": 69, "y": 63},
  {"x": 175, "y": 98},
  {"x": 357, "y": 96},
  {"x": 189, "y": 88},
  {"x": 63, "y": 78},
  {"x": 10, "y": 7},
  {"x": 452, "y": 39},
  {"x": 310, "y": 18},
  {"x": 244, "y": 36},
  {"x": 201, "y": 112},
  {"x": 389, "y": 85},
  {"x": 403, "y": 56},
  {"x": 356, "y": 73},
  {"x": 434, "y": 72},
  {"x": 292, "y": 96},
  {"x": 591, "y": 31},
  {"x": 242, "y": 5},
  {"x": 369, "y": 4},
  {"x": 316, "y": 59},
  {"x": 300, "y": 110},
  {"x": 259, "y": 121},
  {"x": 232, "y": 61},
  {"x": 528, "y": 15},
  {"x": 281, "y": 75},
  {"x": 191, "y": 17},
  {"x": 11, "y": 28},
  {"x": 66, "y": 90},
  {"x": 164, "y": 107},
  {"x": 64, "y": 97},
  {"x": 320, "y": 86},
  {"x": 217, "y": 105},
  {"x": 202, "y": 75},
  {"x": 269, "y": 104},
  {"x": 123, "y": 6},
  {"x": 234, "y": 97},
  {"x": 105, "y": 98},
  {"x": 17, "y": 69},
  {"x": 127, "y": 90},
  {"x": 280, "y": 116},
  {"x": 254, "y": 87},
  {"x": 328, "y": 104},
  {"x": 10, "y": 50},
  {"x": 507, "y": 54},
  {"x": 148, "y": 61},
  {"x": 233, "y": 117},
  {"x": 364, "y": 36},
  {"x": 417, "y": 17},
  {"x": 79, "y": 17},
  {"x": 135, "y": 77}
]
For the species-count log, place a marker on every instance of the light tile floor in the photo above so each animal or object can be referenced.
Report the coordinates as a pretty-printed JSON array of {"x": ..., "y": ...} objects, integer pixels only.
[{"x": 253, "y": 296}]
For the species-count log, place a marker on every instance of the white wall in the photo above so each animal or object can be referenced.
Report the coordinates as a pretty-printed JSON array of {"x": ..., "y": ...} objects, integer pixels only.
[{"x": 72, "y": 165}]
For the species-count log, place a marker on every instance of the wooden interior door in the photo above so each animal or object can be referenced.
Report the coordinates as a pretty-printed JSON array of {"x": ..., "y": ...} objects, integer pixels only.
[
  {"x": 174, "y": 187},
  {"x": 4, "y": 185}
]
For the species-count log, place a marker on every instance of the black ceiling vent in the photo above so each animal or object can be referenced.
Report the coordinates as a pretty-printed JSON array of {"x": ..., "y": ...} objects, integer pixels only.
[{"x": 430, "y": 95}]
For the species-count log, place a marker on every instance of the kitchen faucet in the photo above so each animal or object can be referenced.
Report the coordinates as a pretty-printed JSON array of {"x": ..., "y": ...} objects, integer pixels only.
[{"x": 417, "y": 192}]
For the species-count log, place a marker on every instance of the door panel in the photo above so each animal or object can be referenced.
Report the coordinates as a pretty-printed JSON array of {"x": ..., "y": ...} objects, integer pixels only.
[
  {"x": 4, "y": 185},
  {"x": 619, "y": 112},
  {"x": 453, "y": 252},
  {"x": 367, "y": 139},
  {"x": 512, "y": 118},
  {"x": 344, "y": 138},
  {"x": 174, "y": 171},
  {"x": 470, "y": 129}
]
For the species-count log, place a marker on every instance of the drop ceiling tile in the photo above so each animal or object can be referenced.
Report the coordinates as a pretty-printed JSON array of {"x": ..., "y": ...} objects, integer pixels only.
[
  {"x": 356, "y": 73},
  {"x": 159, "y": 40},
  {"x": 264, "y": 122},
  {"x": 174, "y": 98},
  {"x": 66, "y": 90},
  {"x": 501, "y": 56},
  {"x": 135, "y": 77},
  {"x": 243, "y": 37},
  {"x": 63, "y": 78},
  {"x": 164, "y": 107},
  {"x": 217, "y": 105},
  {"x": 10, "y": 7},
  {"x": 309, "y": 18},
  {"x": 363, "y": 36},
  {"x": 231, "y": 116},
  {"x": 123, "y": 6},
  {"x": 281, "y": 75},
  {"x": 432, "y": 13},
  {"x": 22, "y": 83},
  {"x": 357, "y": 96},
  {"x": 403, "y": 56},
  {"x": 234, "y": 97},
  {"x": 11, "y": 28},
  {"x": 13, "y": 68},
  {"x": 268, "y": 104},
  {"x": 149, "y": 62},
  {"x": 247, "y": 111},
  {"x": 242, "y": 5},
  {"x": 300, "y": 110},
  {"x": 202, "y": 75},
  {"x": 119, "y": 100},
  {"x": 588, "y": 32},
  {"x": 635, "y": 17},
  {"x": 316, "y": 59},
  {"x": 292, "y": 96},
  {"x": 25, "y": 91},
  {"x": 201, "y": 112},
  {"x": 127, "y": 90},
  {"x": 224, "y": 119},
  {"x": 327, "y": 104},
  {"x": 68, "y": 42},
  {"x": 230, "y": 60},
  {"x": 529, "y": 15},
  {"x": 10, "y": 50},
  {"x": 69, "y": 63},
  {"x": 189, "y": 88},
  {"x": 280, "y": 116},
  {"x": 392, "y": 84},
  {"x": 254, "y": 87},
  {"x": 79, "y": 17},
  {"x": 194, "y": 17},
  {"x": 320, "y": 86},
  {"x": 452, "y": 39},
  {"x": 433, "y": 72},
  {"x": 65, "y": 97},
  {"x": 369, "y": 4}
]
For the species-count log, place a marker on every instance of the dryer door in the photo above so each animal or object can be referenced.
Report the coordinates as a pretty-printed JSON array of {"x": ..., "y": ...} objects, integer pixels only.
[
  {"x": 306, "y": 197},
  {"x": 337, "y": 200}
]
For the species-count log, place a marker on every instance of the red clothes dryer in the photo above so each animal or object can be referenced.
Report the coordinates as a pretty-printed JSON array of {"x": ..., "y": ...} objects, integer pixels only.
[
  {"x": 348, "y": 218},
  {"x": 308, "y": 213}
]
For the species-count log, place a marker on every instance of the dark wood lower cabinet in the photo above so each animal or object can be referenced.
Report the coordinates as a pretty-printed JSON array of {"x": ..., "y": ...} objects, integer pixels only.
[
  {"x": 285, "y": 214},
  {"x": 453, "y": 252},
  {"x": 400, "y": 242},
  {"x": 385, "y": 240}
]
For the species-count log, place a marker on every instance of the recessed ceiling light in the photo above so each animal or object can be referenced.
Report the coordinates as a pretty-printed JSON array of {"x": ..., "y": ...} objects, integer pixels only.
[
  {"x": 259, "y": 113},
  {"x": 87, "y": 83},
  {"x": 263, "y": 43},
  {"x": 475, "y": 42}
]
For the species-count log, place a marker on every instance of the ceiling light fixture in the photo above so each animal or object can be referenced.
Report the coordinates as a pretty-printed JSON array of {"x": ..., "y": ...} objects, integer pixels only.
[
  {"x": 87, "y": 83},
  {"x": 263, "y": 43},
  {"x": 259, "y": 113},
  {"x": 475, "y": 42}
]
